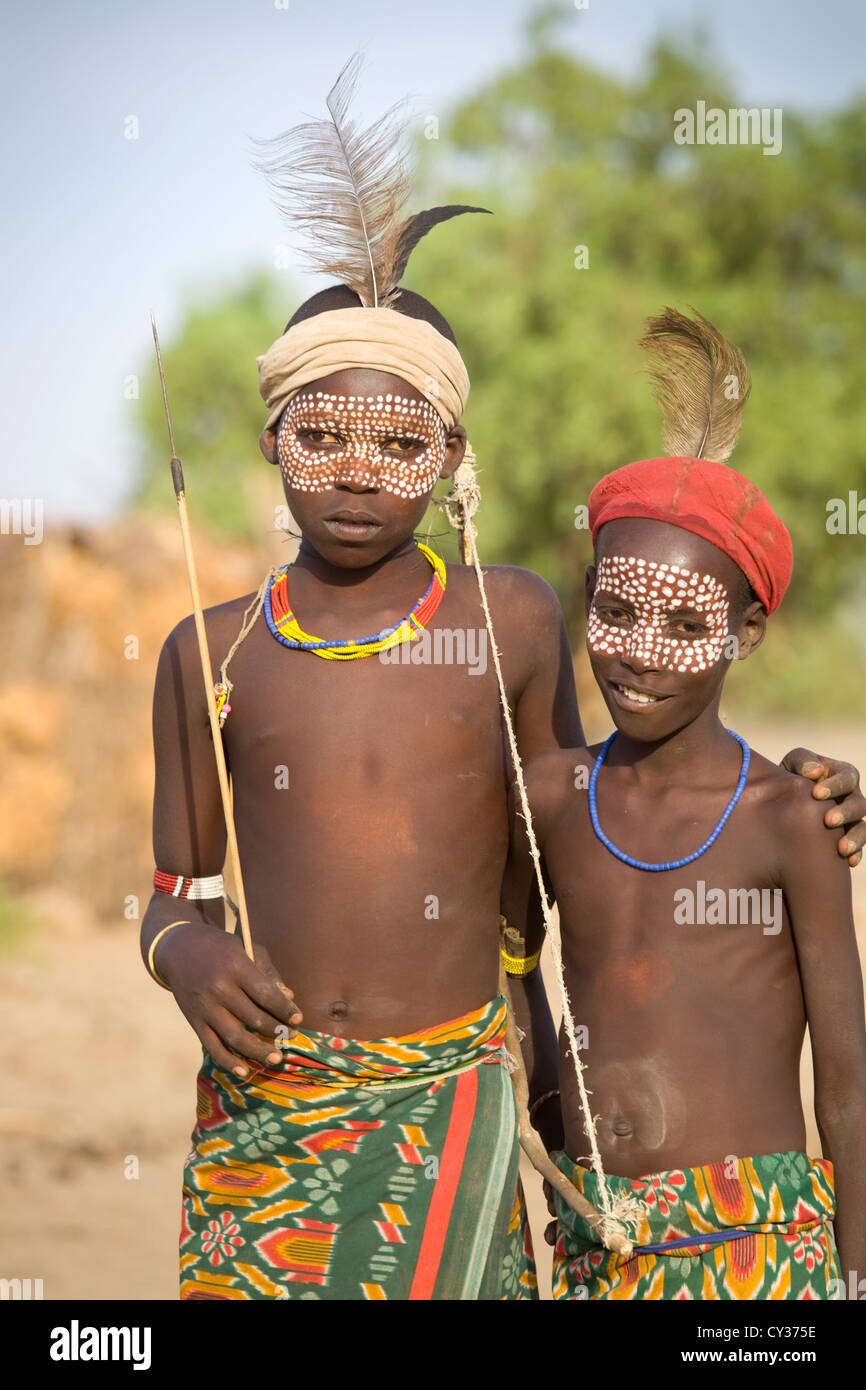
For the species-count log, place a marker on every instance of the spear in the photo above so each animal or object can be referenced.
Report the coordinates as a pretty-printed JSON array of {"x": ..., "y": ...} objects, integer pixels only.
[{"x": 206, "y": 668}]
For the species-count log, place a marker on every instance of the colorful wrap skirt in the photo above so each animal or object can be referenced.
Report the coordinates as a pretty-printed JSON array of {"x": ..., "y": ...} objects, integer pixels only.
[
  {"x": 361, "y": 1170},
  {"x": 752, "y": 1228}
]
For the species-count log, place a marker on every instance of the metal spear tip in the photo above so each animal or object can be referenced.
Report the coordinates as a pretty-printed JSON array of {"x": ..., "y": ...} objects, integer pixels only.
[{"x": 162, "y": 383}]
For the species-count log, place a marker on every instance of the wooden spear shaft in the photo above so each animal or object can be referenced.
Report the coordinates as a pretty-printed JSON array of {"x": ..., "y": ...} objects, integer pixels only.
[{"x": 206, "y": 668}]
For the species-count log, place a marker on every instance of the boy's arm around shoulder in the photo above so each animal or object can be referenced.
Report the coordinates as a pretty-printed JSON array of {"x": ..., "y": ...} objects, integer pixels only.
[
  {"x": 817, "y": 888},
  {"x": 226, "y": 998}
]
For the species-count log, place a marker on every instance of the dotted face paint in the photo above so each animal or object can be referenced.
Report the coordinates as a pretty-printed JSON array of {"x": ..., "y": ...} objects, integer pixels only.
[
  {"x": 385, "y": 441},
  {"x": 654, "y": 593}
]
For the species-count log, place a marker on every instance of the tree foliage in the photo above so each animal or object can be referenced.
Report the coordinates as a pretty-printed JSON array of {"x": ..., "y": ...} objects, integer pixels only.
[{"x": 771, "y": 248}]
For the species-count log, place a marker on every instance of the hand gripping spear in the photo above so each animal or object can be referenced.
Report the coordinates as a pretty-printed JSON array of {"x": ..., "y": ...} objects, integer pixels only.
[{"x": 206, "y": 668}]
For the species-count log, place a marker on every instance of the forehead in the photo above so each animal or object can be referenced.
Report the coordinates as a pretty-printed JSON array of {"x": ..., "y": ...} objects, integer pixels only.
[
  {"x": 661, "y": 586},
  {"x": 382, "y": 411},
  {"x": 361, "y": 382},
  {"x": 660, "y": 543}
]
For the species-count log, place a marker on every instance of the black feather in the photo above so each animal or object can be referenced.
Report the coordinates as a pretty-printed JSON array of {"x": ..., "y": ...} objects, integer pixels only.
[{"x": 417, "y": 226}]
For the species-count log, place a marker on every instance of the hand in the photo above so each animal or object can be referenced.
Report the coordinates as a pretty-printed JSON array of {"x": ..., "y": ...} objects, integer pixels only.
[
  {"x": 841, "y": 783},
  {"x": 226, "y": 997}
]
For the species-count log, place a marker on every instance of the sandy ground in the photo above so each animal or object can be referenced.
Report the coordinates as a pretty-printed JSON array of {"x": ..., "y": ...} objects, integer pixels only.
[{"x": 97, "y": 1100}]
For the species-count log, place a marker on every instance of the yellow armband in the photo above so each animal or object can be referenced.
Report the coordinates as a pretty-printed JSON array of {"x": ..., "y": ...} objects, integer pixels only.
[
  {"x": 520, "y": 965},
  {"x": 516, "y": 965}
]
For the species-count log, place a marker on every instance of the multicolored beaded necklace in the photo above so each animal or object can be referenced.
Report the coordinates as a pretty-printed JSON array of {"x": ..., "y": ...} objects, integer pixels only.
[
  {"x": 674, "y": 863},
  {"x": 286, "y": 628}
]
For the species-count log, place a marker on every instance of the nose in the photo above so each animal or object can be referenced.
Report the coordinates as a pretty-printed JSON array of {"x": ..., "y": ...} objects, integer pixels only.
[
  {"x": 357, "y": 473},
  {"x": 641, "y": 648}
]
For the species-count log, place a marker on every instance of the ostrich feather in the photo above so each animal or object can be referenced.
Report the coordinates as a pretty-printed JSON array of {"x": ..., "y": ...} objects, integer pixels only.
[
  {"x": 343, "y": 189},
  {"x": 701, "y": 384}
]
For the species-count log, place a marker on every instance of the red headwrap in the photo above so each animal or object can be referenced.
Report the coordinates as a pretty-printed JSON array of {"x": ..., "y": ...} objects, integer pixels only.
[{"x": 711, "y": 500}]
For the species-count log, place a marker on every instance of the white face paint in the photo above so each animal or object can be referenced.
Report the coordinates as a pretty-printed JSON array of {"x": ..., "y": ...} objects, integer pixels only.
[
  {"x": 646, "y": 628},
  {"x": 384, "y": 441}
]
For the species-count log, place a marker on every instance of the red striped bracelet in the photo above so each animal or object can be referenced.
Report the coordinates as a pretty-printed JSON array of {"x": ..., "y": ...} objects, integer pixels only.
[{"x": 180, "y": 887}]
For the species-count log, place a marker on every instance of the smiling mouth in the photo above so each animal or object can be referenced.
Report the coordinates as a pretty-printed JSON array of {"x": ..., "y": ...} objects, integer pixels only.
[{"x": 639, "y": 697}]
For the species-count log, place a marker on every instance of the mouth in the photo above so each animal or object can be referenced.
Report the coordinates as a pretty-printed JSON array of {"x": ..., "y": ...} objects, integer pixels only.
[
  {"x": 630, "y": 697},
  {"x": 353, "y": 526}
]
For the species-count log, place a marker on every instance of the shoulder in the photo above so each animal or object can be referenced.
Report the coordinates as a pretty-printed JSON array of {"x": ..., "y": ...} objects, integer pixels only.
[
  {"x": 222, "y": 622},
  {"x": 523, "y": 587},
  {"x": 509, "y": 584},
  {"x": 814, "y": 876},
  {"x": 524, "y": 610},
  {"x": 786, "y": 799}
]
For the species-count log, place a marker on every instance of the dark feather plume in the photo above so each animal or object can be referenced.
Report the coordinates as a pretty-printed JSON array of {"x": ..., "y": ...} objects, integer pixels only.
[
  {"x": 410, "y": 232},
  {"x": 701, "y": 383},
  {"x": 343, "y": 189}
]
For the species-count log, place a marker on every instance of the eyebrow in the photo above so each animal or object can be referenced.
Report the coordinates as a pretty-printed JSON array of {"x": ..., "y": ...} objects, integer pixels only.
[{"x": 409, "y": 430}]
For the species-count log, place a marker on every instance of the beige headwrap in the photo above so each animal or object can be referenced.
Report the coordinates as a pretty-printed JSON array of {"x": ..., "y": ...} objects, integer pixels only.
[{"x": 380, "y": 338}]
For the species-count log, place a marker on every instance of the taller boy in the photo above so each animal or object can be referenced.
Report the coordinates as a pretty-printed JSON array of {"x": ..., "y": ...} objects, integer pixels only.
[{"x": 383, "y": 1169}]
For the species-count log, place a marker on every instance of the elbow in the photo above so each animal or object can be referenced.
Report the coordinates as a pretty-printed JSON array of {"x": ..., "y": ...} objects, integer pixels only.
[{"x": 841, "y": 1113}]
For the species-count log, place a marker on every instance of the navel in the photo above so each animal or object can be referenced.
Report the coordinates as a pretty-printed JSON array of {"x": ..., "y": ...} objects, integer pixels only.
[{"x": 338, "y": 1010}]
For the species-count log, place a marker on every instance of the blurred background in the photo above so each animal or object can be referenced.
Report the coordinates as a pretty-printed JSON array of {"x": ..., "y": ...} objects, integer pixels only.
[{"x": 127, "y": 172}]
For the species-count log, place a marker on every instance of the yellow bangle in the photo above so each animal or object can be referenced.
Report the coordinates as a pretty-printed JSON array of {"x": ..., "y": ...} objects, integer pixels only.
[
  {"x": 520, "y": 965},
  {"x": 151, "y": 968}
]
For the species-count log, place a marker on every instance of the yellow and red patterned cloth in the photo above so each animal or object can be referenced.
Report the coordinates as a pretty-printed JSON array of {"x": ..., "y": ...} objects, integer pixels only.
[
  {"x": 361, "y": 1170},
  {"x": 752, "y": 1228}
]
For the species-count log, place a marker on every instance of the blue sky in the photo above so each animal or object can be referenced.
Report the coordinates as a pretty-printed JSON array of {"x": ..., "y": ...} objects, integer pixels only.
[{"x": 99, "y": 229}]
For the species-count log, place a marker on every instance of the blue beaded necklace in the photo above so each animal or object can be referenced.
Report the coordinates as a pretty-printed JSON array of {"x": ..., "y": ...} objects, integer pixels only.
[{"x": 674, "y": 863}]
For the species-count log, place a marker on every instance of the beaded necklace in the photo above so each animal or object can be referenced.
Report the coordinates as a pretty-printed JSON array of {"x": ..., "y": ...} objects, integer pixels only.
[
  {"x": 286, "y": 628},
  {"x": 673, "y": 863}
]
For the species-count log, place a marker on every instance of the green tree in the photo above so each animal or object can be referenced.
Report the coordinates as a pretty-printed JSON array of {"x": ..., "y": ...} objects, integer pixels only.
[{"x": 770, "y": 248}]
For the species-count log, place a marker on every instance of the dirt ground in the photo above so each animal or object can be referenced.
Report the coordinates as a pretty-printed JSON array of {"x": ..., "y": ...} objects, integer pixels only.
[{"x": 98, "y": 1095}]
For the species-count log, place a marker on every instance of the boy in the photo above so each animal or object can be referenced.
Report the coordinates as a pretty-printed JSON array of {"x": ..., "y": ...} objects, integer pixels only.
[
  {"x": 704, "y": 917},
  {"x": 332, "y": 1167}
]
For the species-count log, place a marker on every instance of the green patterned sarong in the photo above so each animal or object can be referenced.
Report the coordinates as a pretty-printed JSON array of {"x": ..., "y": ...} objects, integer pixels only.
[
  {"x": 753, "y": 1228},
  {"x": 361, "y": 1170}
]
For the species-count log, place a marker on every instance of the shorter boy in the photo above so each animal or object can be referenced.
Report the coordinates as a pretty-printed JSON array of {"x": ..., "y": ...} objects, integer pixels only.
[{"x": 705, "y": 919}]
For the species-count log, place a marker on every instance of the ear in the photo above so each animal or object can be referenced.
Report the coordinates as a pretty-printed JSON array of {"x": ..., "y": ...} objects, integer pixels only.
[
  {"x": 268, "y": 444},
  {"x": 455, "y": 448},
  {"x": 750, "y": 630},
  {"x": 589, "y": 588}
]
